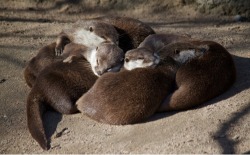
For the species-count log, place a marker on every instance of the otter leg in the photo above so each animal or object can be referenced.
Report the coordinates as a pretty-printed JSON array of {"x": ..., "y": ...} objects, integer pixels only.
[{"x": 61, "y": 41}]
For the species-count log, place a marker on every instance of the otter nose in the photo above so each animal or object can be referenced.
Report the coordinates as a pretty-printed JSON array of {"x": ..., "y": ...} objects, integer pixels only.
[{"x": 101, "y": 72}]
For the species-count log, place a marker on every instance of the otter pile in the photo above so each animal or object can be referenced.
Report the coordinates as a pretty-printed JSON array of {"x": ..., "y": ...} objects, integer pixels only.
[{"x": 116, "y": 70}]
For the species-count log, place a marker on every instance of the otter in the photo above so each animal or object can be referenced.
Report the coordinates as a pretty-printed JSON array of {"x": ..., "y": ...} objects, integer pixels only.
[
  {"x": 129, "y": 97},
  {"x": 89, "y": 33},
  {"x": 59, "y": 85},
  {"x": 106, "y": 57},
  {"x": 206, "y": 69},
  {"x": 202, "y": 78}
]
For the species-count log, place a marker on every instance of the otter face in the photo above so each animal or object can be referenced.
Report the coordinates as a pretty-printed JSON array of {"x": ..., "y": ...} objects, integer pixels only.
[
  {"x": 92, "y": 33},
  {"x": 140, "y": 58},
  {"x": 107, "y": 57}
]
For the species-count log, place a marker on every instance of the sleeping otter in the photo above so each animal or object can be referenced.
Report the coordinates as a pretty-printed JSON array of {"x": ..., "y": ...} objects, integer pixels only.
[
  {"x": 202, "y": 76},
  {"x": 59, "y": 85},
  {"x": 106, "y": 57},
  {"x": 129, "y": 97}
]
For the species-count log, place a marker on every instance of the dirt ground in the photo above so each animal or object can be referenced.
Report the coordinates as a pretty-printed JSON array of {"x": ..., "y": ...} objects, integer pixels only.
[{"x": 218, "y": 126}]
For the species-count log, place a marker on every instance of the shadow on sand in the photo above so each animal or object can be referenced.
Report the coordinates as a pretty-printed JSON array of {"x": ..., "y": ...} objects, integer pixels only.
[{"x": 242, "y": 83}]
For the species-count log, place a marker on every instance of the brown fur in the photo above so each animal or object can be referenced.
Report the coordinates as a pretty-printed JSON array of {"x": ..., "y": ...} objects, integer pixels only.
[
  {"x": 158, "y": 46},
  {"x": 110, "y": 58},
  {"x": 202, "y": 79},
  {"x": 58, "y": 86},
  {"x": 45, "y": 57},
  {"x": 131, "y": 31},
  {"x": 128, "y": 97}
]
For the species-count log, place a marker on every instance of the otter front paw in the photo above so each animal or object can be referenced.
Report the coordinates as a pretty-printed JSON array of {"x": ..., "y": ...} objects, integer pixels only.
[{"x": 58, "y": 50}]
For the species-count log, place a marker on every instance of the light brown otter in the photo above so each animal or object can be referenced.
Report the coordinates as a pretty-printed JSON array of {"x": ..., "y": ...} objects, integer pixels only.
[
  {"x": 129, "y": 97},
  {"x": 59, "y": 85},
  {"x": 202, "y": 78}
]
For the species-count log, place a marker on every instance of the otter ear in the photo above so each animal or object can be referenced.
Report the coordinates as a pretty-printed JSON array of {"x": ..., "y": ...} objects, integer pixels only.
[
  {"x": 91, "y": 29},
  {"x": 176, "y": 51}
]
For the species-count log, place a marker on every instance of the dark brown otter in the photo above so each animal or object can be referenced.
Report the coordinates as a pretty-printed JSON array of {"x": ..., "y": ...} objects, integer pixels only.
[
  {"x": 106, "y": 57},
  {"x": 180, "y": 51},
  {"x": 157, "y": 46},
  {"x": 129, "y": 97},
  {"x": 202, "y": 78},
  {"x": 58, "y": 86},
  {"x": 207, "y": 68}
]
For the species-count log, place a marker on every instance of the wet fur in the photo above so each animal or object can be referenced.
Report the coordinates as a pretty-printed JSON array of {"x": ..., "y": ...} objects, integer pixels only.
[{"x": 128, "y": 97}]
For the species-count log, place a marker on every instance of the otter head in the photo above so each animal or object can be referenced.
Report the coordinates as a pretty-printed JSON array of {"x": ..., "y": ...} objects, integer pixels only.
[
  {"x": 107, "y": 57},
  {"x": 183, "y": 52},
  {"x": 92, "y": 33},
  {"x": 140, "y": 58}
]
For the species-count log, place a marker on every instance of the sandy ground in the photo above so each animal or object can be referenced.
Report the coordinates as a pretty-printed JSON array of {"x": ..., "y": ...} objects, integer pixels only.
[{"x": 218, "y": 126}]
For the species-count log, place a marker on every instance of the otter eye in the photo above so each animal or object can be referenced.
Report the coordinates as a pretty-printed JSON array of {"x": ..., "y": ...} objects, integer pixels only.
[
  {"x": 91, "y": 29},
  {"x": 176, "y": 51},
  {"x": 103, "y": 37},
  {"x": 97, "y": 48},
  {"x": 126, "y": 60}
]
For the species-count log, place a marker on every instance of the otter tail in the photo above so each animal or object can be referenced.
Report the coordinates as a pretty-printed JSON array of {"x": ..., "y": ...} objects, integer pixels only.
[{"x": 35, "y": 110}]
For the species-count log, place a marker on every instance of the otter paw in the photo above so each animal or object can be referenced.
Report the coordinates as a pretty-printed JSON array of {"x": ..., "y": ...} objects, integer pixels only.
[{"x": 58, "y": 51}]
